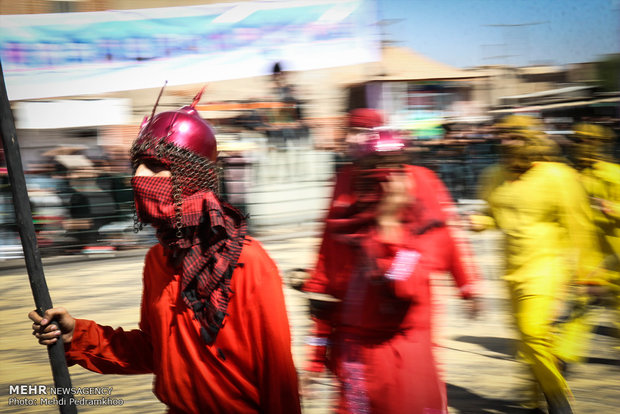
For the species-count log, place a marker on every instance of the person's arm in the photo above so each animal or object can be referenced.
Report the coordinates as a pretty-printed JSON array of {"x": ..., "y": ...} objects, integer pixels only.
[
  {"x": 106, "y": 350},
  {"x": 97, "y": 348},
  {"x": 464, "y": 271},
  {"x": 460, "y": 259}
]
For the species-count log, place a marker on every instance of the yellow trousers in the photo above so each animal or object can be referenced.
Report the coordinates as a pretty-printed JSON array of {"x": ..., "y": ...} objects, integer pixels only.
[
  {"x": 534, "y": 313},
  {"x": 574, "y": 335}
]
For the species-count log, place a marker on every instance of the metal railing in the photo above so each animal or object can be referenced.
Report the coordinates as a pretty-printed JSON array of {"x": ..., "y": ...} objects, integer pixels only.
[{"x": 92, "y": 214}]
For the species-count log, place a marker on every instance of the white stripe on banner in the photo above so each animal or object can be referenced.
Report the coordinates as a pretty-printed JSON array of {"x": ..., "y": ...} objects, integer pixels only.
[
  {"x": 403, "y": 265},
  {"x": 66, "y": 54}
]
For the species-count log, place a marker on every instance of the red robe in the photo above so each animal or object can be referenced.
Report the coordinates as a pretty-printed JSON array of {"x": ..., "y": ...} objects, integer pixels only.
[
  {"x": 380, "y": 334},
  {"x": 248, "y": 369}
]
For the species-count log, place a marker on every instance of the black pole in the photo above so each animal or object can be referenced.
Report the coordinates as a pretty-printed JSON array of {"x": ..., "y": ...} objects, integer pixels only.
[{"x": 34, "y": 265}]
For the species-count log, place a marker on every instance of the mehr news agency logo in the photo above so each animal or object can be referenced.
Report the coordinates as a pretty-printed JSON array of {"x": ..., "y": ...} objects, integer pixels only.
[{"x": 37, "y": 394}]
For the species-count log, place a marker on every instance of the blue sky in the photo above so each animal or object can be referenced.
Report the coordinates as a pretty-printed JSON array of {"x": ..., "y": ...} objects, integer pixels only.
[{"x": 458, "y": 32}]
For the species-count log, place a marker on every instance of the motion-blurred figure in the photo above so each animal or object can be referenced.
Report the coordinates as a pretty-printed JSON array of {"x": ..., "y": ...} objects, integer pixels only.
[
  {"x": 543, "y": 211},
  {"x": 386, "y": 232},
  {"x": 601, "y": 179},
  {"x": 287, "y": 122},
  {"x": 213, "y": 328}
]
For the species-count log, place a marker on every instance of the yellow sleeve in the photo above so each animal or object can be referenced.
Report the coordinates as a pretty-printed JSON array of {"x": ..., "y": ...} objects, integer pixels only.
[{"x": 482, "y": 222}]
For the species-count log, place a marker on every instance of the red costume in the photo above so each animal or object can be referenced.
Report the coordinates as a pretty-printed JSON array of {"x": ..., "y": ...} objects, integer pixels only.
[
  {"x": 214, "y": 328},
  {"x": 379, "y": 335},
  {"x": 248, "y": 369}
]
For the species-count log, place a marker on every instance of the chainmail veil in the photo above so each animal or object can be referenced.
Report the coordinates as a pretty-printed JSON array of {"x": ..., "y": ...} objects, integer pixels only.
[{"x": 190, "y": 172}]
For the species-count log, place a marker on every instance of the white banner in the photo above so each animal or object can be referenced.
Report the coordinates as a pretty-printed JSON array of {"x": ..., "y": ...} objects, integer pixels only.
[{"x": 53, "y": 55}]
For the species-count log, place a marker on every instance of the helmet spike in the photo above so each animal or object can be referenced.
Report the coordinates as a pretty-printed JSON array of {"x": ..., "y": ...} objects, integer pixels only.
[
  {"x": 158, "y": 97},
  {"x": 197, "y": 97},
  {"x": 183, "y": 128}
]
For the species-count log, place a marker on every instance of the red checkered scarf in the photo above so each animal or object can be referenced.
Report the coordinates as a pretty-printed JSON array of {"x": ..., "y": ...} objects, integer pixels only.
[{"x": 212, "y": 238}]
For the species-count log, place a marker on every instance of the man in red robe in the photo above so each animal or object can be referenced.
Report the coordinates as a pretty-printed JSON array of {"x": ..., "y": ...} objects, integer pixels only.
[
  {"x": 214, "y": 329},
  {"x": 387, "y": 229}
]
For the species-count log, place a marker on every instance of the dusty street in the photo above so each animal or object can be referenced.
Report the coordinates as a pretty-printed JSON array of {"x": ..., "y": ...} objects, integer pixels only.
[{"x": 475, "y": 355}]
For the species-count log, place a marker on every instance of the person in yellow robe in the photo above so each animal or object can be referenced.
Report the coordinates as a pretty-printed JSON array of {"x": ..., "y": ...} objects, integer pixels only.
[
  {"x": 539, "y": 204},
  {"x": 600, "y": 177}
]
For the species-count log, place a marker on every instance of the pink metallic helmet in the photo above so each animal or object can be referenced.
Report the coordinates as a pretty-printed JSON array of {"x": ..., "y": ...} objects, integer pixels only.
[
  {"x": 184, "y": 144},
  {"x": 183, "y": 128}
]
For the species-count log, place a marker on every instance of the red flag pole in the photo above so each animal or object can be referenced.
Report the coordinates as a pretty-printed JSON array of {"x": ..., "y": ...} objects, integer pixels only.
[{"x": 32, "y": 255}]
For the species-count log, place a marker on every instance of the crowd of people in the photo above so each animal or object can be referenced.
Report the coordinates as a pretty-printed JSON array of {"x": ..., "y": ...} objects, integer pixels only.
[{"x": 214, "y": 329}]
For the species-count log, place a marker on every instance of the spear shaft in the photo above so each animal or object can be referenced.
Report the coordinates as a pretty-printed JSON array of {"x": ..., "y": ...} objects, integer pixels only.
[{"x": 32, "y": 255}]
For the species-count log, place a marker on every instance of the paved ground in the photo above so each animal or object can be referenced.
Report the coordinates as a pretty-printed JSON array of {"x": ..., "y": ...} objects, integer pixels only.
[{"x": 475, "y": 355}]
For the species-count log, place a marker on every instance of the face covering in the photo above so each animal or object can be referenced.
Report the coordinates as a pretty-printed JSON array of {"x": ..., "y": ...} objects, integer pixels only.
[{"x": 208, "y": 236}]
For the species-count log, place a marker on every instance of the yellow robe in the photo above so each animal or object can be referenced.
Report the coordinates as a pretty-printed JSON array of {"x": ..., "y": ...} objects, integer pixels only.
[
  {"x": 550, "y": 239},
  {"x": 602, "y": 184}
]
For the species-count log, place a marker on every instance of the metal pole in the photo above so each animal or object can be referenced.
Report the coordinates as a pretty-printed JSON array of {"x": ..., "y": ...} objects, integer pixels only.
[{"x": 32, "y": 256}]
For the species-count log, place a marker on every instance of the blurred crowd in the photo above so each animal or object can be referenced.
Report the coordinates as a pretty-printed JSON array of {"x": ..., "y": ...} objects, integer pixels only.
[{"x": 80, "y": 200}]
